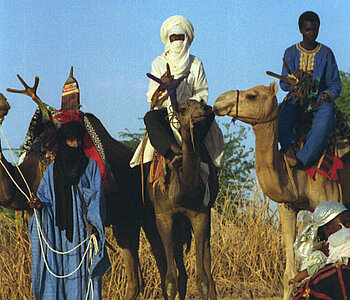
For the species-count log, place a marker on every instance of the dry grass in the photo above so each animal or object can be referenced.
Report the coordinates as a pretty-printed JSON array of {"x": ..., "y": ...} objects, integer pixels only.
[{"x": 247, "y": 256}]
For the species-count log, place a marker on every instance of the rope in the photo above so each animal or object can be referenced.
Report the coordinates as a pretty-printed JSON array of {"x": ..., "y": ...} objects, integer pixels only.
[
  {"x": 41, "y": 236},
  {"x": 14, "y": 161},
  {"x": 290, "y": 175}
]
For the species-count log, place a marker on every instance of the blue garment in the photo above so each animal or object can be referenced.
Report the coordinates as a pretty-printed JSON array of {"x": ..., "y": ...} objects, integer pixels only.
[
  {"x": 45, "y": 285},
  {"x": 322, "y": 62}
]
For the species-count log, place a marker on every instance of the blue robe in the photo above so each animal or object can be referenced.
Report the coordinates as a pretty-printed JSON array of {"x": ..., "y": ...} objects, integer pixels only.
[
  {"x": 322, "y": 62},
  {"x": 44, "y": 284}
]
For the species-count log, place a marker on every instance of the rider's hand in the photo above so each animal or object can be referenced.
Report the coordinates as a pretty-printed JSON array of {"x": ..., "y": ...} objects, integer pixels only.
[
  {"x": 34, "y": 202},
  {"x": 298, "y": 73},
  {"x": 325, "y": 98}
]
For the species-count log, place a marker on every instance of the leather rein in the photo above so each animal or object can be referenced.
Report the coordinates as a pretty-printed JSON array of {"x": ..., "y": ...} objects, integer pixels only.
[{"x": 249, "y": 119}]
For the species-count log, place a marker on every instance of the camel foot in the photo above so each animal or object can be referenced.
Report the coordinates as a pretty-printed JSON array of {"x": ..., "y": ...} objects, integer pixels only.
[{"x": 171, "y": 290}]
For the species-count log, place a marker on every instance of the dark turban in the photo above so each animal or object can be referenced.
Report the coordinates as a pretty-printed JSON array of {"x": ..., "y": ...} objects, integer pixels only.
[{"x": 70, "y": 164}]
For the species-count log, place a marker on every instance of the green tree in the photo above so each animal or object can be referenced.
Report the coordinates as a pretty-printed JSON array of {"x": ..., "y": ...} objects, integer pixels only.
[
  {"x": 343, "y": 101},
  {"x": 132, "y": 140},
  {"x": 237, "y": 162}
]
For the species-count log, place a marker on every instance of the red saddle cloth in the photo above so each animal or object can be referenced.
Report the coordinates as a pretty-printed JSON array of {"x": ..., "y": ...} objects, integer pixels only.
[
  {"x": 328, "y": 165},
  {"x": 64, "y": 116},
  {"x": 332, "y": 282}
]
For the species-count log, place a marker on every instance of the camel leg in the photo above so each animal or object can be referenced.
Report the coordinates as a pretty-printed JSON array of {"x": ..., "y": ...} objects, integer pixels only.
[
  {"x": 164, "y": 224},
  {"x": 131, "y": 259},
  {"x": 200, "y": 225},
  {"x": 182, "y": 277},
  {"x": 152, "y": 234},
  {"x": 207, "y": 265},
  {"x": 288, "y": 218}
]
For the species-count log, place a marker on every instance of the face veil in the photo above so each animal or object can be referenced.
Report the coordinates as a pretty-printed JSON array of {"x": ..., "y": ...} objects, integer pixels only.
[{"x": 70, "y": 164}]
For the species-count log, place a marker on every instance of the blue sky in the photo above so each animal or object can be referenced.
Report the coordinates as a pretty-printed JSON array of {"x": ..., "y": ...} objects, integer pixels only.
[{"x": 111, "y": 45}]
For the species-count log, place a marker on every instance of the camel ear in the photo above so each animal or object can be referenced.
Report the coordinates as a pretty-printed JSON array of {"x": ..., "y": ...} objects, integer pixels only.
[{"x": 274, "y": 88}]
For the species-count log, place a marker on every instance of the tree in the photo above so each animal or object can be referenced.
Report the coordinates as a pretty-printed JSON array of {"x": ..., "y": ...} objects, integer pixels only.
[
  {"x": 237, "y": 163},
  {"x": 132, "y": 140},
  {"x": 343, "y": 101}
]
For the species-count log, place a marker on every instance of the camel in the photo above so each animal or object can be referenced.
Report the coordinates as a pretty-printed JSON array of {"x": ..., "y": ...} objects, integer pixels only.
[
  {"x": 258, "y": 107},
  {"x": 124, "y": 204},
  {"x": 179, "y": 207}
]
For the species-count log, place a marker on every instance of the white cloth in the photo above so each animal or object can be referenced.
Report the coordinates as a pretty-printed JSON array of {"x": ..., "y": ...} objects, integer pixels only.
[
  {"x": 306, "y": 242},
  {"x": 173, "y": 22},
  {"x": 194, "y": 87},
  {"x": 339, "y": 246},
  {"x": 314, "y": 262},
  {"x": 177, "y": 53}
]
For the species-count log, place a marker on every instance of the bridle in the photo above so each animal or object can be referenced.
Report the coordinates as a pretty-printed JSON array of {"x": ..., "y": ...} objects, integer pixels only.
[{"x": 249, "y": 119}]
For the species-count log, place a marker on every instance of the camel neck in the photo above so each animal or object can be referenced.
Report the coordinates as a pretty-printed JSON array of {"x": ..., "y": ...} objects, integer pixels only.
[
  {"x": 268, "y": 160},
  {"x": 190, "y": 162}
]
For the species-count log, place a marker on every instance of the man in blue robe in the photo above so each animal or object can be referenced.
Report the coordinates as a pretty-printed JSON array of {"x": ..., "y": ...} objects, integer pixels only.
[
  {"x": 309, "y": 55},
  {"x": 69, "y": 199}
]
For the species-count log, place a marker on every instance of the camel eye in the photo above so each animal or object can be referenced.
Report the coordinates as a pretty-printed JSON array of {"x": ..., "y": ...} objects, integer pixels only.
[{"x": 251, "y": 96}]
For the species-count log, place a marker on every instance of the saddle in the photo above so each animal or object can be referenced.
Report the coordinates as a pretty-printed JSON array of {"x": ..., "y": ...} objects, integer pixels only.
[
  {"x": 42, "y": 139},
  {"x": 331, "y": 282},
  {"x": 338, "y": 145}
]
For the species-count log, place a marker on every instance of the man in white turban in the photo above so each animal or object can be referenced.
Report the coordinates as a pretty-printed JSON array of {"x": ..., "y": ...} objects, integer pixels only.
[
  {"x": 177, "y": 34},
  {"x": 326, "y": 240}
]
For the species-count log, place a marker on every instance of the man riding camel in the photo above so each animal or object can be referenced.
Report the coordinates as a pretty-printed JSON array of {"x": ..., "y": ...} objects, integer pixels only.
[
  {"x": 309, "y": 56},
  {"x": 177, "y": 34}
]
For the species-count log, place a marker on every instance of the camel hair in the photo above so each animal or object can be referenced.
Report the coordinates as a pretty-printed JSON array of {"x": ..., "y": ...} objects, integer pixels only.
[
  {"x": 125, "y": 210},
  {"x": 258, "y": 107},
  {"x": 179, "y": 208}
]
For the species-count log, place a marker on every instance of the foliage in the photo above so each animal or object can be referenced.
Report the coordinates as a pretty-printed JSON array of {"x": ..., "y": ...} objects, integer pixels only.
[
  {"x": 343, "y": 101},
  {"x": 237, "y": 162},
  {"x": 132, "y": 140}
]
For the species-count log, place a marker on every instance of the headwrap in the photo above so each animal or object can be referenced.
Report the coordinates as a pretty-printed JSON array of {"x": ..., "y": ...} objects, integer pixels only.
[
  {"x": 70, "y": 163},
  {"x": 307, "y": 240},
  {"x": 70, "y": 93},
  {"x": 339, "y": 246},
  {"x": 177, "y": 53}
]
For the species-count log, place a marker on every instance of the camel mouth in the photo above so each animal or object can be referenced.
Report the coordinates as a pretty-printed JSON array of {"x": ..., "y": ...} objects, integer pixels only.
[
  {"x": 221, "y": 111},
  {"x": 199, "y": 117}
]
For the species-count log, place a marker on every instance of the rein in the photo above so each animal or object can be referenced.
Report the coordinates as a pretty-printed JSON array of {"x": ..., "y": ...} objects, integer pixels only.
[{"x": 249, "y": 119}]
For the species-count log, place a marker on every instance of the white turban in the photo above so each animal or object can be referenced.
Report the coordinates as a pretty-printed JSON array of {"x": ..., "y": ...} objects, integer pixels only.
[
  {"x": 177, "y": 53},
  {"x": 307, "y": 239},
  {"x": 176, "y": 21}
]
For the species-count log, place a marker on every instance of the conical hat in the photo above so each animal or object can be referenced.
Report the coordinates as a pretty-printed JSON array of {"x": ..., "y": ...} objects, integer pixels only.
[{"x": 70, "y": 93}]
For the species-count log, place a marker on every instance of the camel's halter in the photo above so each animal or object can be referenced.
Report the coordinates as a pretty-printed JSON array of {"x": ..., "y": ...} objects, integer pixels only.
[
  {"x": 250, "y": 119},
  {"x": 276, "y": 115},
  {"x": 92, "y": 238}
]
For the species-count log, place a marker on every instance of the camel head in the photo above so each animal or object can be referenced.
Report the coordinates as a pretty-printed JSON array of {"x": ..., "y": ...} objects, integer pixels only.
[
  {"x": 4, "y": 107},
  {"x": 192, "y": 113},
  {"x": 256, "y": 105}
]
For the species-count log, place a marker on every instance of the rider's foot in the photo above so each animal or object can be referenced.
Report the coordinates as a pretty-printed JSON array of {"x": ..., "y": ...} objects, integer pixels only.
[
  {"x": 290, "y": 156},
  {"x": 176, "y": 149}
]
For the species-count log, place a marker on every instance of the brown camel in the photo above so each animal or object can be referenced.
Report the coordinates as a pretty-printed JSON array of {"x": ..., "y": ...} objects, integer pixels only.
[
  {"x": 123, "y": 205},
  {"x": 180, "y": 207},
  {"x": 258, "y": 107}
]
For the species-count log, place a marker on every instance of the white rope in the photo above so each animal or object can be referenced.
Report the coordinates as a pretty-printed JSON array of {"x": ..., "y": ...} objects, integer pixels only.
[
  {"x": 92, "y": 243},
  {"x": 15, "y": 183},
  {"x": 14, "y": 161},
  {"x": 47, "y": 243}
]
